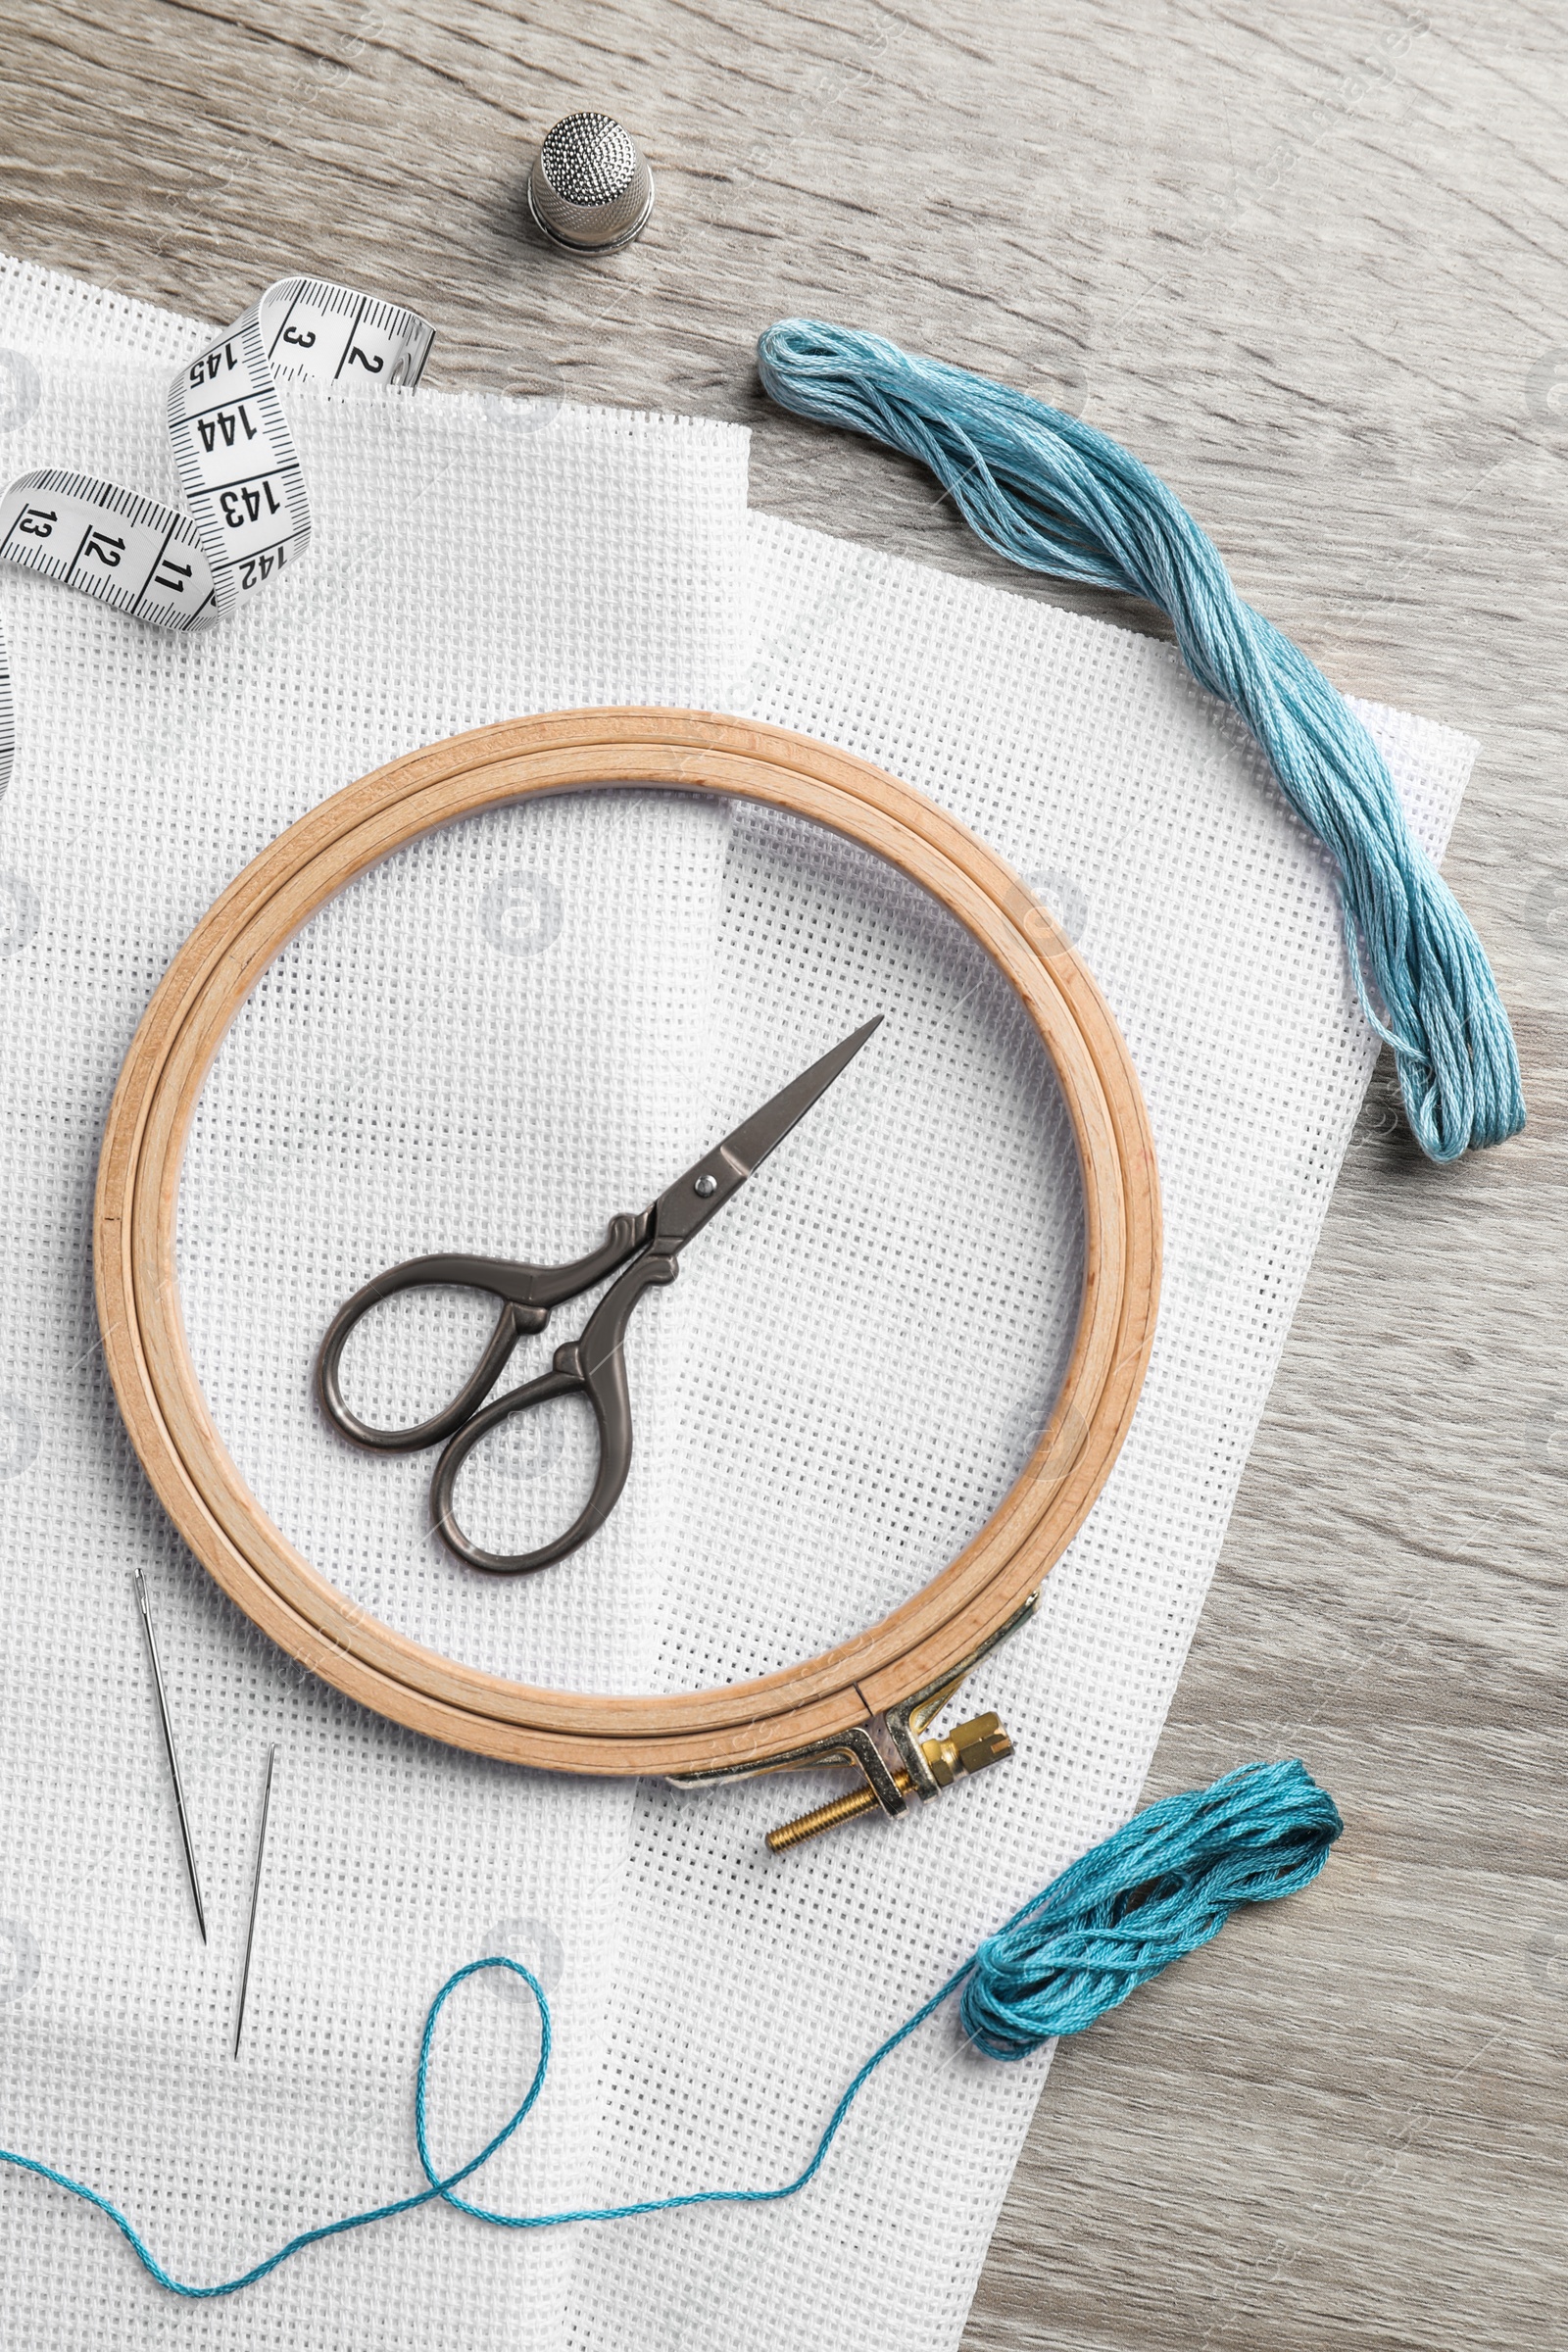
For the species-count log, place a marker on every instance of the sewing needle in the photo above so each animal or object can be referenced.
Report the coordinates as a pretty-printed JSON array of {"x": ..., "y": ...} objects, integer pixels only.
[
  {"x": 256, "y": 1893},
  {"x": 140, "y": 1584}
]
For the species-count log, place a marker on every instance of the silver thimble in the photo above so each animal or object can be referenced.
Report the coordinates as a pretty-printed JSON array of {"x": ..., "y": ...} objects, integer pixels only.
[{"x": 590, "y": 189}]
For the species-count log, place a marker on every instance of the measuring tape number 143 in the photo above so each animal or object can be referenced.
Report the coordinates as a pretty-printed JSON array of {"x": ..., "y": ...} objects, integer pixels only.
[{"x": 247, "y": 509}]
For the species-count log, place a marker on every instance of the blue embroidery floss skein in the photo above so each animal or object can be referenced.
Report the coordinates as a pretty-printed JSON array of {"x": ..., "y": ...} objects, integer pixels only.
[
  {"x": 1054, "y": 494},
  {"x": 1155, "y": 1889}
]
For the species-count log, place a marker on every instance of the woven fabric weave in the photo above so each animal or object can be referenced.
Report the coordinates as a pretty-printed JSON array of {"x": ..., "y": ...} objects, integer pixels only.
[
  {"x": 471, "y": 561},
  {"x": 907, "y": 1300},
  {"x": 851, "y": 1369}
]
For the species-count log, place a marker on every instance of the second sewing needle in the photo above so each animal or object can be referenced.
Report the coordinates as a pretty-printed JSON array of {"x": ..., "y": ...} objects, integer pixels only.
[
  {"x": 255, "y": 1896},
  {"x": 140, "y": 1584}
]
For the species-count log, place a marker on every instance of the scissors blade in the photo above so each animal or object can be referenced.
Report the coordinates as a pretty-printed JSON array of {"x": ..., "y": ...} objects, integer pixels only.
[
  {"x": 751, "y": 1143},
  {"x": 685, "y": 1208}
]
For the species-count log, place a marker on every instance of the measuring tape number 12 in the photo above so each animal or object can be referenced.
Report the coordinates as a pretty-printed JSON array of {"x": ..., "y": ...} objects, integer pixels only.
[{"x": 247, "y": 511}]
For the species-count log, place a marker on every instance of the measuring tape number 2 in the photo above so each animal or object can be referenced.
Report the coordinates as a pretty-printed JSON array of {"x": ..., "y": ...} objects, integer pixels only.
[{"x": 247, "y": 511}]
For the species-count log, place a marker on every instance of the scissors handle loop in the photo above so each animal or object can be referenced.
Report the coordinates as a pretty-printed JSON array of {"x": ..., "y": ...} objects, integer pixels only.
[
  {"x": 527, "y": 1294},
  {"x": 594, "y": 1366}
]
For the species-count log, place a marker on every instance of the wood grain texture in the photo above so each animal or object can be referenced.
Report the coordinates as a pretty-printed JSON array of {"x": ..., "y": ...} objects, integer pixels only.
[
  {"x": 740, "y": 1725},
  {"x": 1307, "y": 260}
]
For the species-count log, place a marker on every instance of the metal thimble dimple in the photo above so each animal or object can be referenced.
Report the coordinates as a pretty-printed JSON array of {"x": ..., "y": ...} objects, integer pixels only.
[{"x": 590, "y": 189}]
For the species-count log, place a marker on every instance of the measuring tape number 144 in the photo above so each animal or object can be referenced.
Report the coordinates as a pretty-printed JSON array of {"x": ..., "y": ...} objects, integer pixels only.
[{"x": 247, "y": 509}]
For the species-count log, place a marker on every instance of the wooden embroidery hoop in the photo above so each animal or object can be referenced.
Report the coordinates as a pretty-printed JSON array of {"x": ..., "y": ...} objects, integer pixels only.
[{"x": 744, "y": 1725}]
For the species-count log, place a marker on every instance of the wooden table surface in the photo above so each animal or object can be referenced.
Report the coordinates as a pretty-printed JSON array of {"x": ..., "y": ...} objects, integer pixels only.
[{"x": 1309, "y": 262}]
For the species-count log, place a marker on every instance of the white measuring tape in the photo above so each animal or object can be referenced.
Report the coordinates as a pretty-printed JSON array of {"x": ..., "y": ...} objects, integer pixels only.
[{"x": 247, "y": 511}]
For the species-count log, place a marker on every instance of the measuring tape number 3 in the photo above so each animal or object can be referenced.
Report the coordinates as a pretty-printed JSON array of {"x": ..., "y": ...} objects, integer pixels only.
[{"x": 247, "y": 511}]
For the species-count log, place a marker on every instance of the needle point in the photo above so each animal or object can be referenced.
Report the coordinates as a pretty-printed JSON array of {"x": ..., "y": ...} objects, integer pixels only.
[{"x": 139, "y": 1587}]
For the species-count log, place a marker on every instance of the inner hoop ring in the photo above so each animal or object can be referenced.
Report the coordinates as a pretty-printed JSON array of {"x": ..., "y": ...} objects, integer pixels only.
[{"x": 136, "y": 1216}]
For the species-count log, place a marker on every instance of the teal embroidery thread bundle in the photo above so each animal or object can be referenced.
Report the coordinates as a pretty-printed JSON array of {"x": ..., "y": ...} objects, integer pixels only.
[
  {"x": 1160, "y": 1888},
  {"x": 1057, "y": 496},
  {"x": 1157, "y": 1888}
]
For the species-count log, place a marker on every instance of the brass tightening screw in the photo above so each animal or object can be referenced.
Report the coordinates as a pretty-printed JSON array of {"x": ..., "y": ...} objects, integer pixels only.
[
  {"x": 967, "y": 1749},
  {"x": 827, "y": 1817}
]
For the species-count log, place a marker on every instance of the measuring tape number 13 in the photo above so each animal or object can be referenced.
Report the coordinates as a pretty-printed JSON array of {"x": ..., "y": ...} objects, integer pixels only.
[{"x": 247, "y": 511}]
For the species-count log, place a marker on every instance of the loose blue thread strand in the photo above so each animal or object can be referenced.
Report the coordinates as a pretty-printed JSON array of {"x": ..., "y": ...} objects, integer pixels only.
[
  {"x": 1159, "y": 1887},
  {"x": 1051, "y": 493}
]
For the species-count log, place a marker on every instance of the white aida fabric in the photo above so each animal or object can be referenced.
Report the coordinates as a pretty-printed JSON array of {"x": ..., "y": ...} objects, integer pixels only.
[
  {"x": 868, "y": 1366},
  {"x": 492, "y": 1043},
  {"x": 383, "y": 1095}
]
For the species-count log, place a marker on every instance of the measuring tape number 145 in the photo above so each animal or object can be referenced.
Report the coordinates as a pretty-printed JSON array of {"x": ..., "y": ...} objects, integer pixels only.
[{"x": 247, "y": 509}]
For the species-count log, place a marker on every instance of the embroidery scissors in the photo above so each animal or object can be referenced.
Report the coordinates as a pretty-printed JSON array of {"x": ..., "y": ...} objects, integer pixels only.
[{"x": 646, "y": 1246}]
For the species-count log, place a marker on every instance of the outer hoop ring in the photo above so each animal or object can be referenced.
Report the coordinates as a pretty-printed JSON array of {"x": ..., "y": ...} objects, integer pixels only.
[{"x": 137, "y": 1203}]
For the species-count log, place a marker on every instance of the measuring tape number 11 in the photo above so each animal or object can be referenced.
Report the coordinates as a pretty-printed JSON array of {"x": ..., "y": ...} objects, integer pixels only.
[{"x": 247, "y": 511}]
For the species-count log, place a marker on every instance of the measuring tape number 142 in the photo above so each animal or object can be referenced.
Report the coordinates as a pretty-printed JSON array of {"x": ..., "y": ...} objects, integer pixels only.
[{"x": 247, "y": 509}]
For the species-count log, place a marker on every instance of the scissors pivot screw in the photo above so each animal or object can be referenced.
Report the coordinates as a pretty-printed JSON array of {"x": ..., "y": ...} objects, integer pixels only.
[
  {"x": 706, "y": 1187},
  {"x": 968, "y": 1749}
]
